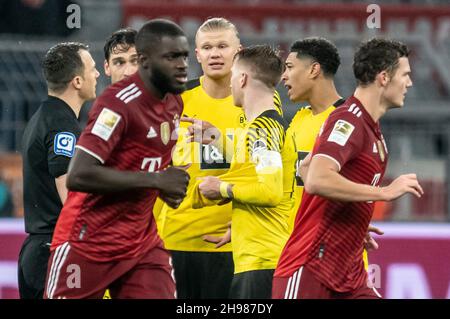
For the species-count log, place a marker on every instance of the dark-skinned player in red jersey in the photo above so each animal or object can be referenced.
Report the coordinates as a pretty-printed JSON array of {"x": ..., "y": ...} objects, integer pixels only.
[
  {"x": 322, "y": 258},
  {"x": 106, "y": 235}
]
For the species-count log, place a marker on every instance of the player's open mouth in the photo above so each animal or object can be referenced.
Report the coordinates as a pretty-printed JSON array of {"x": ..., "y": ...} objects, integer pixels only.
[{"x": 288, "y": 88}]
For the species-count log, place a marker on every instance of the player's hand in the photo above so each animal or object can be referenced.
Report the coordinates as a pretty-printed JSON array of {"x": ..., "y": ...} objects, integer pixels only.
[
  {"x": 200, "y": 131},
  {"x": 403, "y": 184},
  {"x": 369, "y": 242},
  {"x": 219, "y": 241},
  {"x": 210, "y": 187},
  {"x": 173, "y": 202},
  {"x": 302, "y": 168},
  {"x": 173, "y": 182}
]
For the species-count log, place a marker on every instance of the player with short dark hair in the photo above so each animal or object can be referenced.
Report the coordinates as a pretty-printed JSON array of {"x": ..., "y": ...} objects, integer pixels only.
[
  {"x": 261, "y": 177},
  {"x": 121, "y": 58},
  {"x": 309, "y": 77},
  {"x": 322, "y": 258},
  {"x": 120, "y": 167},
  {"x": 48, "y": 144}
]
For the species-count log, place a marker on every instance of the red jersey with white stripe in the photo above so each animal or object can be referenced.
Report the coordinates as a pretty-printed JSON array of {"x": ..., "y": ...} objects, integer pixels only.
[
  {"x": 328, "y": 235},
  {"x": 128, "y": 130}
]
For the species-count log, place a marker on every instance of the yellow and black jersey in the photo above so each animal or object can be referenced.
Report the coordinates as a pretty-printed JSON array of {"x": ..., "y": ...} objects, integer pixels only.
[
  {"x": 262, "y": 174},
  {"x": 183, "y": 228},
  {"x": 305, "y": 127}
]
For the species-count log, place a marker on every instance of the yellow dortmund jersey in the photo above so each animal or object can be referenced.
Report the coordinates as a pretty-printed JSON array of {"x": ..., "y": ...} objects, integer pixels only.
[
  {"x": 305, "y": 127},
  {"x": 263, "y": 194},
  {"x": 183, "y": 228}
]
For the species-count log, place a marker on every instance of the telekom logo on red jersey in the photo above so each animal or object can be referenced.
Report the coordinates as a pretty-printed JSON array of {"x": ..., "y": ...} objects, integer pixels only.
[{"x": 151, "y": 164}]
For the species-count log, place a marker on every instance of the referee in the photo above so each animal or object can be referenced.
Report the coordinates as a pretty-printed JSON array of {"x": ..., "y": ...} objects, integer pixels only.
[{"x": 48, "y": 143}]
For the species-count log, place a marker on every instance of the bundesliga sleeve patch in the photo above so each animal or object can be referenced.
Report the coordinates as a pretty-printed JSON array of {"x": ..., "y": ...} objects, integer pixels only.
[
  {"x": 341, "y": 132},
  {"x": 105, "y": 124},
  {"x": 64, "y": 144}
]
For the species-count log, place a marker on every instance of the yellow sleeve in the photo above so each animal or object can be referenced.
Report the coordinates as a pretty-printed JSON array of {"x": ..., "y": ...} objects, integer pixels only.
[
  {"x": 265, "y": 140},
  {"x": 198, "y": 200}
]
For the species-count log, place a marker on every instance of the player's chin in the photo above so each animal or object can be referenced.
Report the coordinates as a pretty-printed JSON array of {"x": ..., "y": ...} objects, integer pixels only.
[
  {"x": 397, "y": 105},
  {"x": 178, "y": 87}
]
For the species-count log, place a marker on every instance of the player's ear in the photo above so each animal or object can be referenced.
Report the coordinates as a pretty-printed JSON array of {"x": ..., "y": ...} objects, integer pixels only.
[
  {"x": 107, "y": 69},
  {"x": 383, "y": 78},
  {"x": 143, "y": 60},
  {"x": 243, "y": 79},
  {"x": 197, "y": 56},
  {"x": 315, "y": 70},
  {"x": 77, "y": 82}
]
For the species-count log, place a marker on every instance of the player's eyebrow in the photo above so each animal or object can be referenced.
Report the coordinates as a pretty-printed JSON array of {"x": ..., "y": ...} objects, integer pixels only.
[{"x": 176, "y": 54}]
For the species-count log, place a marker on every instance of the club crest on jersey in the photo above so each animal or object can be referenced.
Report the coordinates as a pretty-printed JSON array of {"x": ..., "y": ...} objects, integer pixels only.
[
  {"x": 105, "y": 124},
  {"x": 341, "y": 132},
  {"x": 165, "y": 132},
  {"x": 241, "y": 119},
  {"x": 381, "y": 150},
  {"x": 64, "y": 144}
]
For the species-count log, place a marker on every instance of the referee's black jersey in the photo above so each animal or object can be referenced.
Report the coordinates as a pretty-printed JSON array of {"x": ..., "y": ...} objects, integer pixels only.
[{"x": 48, "y": 144}]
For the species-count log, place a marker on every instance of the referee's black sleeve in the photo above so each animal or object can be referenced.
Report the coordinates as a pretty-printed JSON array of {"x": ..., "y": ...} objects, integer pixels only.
[{"x": 60, "y": 143}]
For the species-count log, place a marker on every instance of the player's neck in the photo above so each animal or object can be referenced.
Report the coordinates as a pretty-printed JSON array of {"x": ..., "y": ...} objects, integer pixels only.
[
  {"x": 217, "y": 88},
  {"x": 256, "y": 102},
  {"x": 371, "y": 99},
  {"x": 71, "y": 98},
  {"x": 323, "y": 96}
]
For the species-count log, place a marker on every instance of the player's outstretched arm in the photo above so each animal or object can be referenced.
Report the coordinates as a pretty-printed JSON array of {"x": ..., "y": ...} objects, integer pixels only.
[
  {"x": 87, "y": 174},
  {"x": 205, "y": 133},
  {"x": 323, "y": 179}
]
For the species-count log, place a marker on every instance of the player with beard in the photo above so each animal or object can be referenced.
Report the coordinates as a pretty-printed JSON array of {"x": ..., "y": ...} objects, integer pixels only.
[{"x": 106, "y": 232}]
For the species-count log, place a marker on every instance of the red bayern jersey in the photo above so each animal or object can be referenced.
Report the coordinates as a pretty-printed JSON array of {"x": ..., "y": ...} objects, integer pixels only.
[
  {"x": 328, "y": 235},
  {"x": 128, "y": 130}
]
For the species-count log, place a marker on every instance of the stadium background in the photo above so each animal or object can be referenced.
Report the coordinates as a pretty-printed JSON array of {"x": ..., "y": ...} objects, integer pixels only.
[{"x": 414, "y": 258}]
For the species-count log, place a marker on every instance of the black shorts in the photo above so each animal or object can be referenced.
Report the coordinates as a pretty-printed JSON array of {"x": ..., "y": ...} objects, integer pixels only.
[
  {"x": 33, "y": 260},
  {"x": 202, "y": 275},
  {"x": 254, "y": 284}
]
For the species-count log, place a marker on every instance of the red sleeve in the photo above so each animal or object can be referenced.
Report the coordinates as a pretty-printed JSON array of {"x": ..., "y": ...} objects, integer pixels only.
[
  {"x": 342, "y": 137},
  {"x": 106, "y": 124}
]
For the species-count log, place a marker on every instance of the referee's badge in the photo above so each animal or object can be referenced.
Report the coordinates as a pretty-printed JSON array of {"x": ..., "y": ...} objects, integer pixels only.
[
  {"x": 165, "y": 132},
  {"x": 64, "y": 144}
]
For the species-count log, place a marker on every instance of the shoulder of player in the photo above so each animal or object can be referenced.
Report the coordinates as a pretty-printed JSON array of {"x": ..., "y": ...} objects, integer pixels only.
[
  {"x": 302, "y": 112},
  {"x": 270, "y": 118},
  {"x": 121, "y": 93},
  {"x": 56, "y": 118},
  {"x": 350, "y": 112}
]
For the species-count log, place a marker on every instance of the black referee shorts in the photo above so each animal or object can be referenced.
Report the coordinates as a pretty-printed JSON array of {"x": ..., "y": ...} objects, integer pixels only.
[
  {"x": 33, "y": 261},
  {"x": 254, "y": 284},
  {"x": 202, "y": 275}
]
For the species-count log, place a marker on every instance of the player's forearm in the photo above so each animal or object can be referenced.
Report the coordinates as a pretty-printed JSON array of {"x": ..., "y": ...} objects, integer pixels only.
[
  {"x": 332, "y": 185},
  {"x": 268, "y": 191},
  {"x": 99, "y": 179}
]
